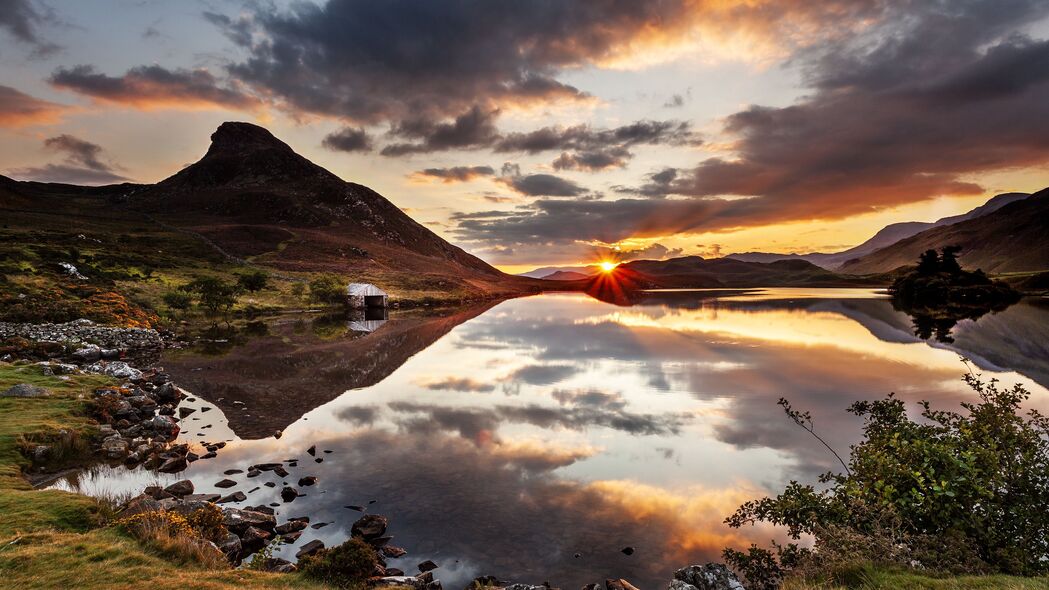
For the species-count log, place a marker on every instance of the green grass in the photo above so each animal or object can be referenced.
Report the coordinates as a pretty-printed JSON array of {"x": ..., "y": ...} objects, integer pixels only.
[
  {"x": 872, "y": 578},
  {"x": 54, "y": 539}
]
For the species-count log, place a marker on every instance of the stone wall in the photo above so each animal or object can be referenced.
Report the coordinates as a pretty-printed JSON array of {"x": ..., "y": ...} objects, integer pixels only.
[{"x": 84, "y": 331}]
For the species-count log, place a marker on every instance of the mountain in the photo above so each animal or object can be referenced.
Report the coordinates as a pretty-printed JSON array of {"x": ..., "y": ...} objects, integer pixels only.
[
  {"x": 545, "y": 271},
  {"x": 1012, "y": 238},
  {"x": 565, "y": 275},
  {"x": 251, "y": 196},
  {"x": 887, "y": 236},
  {"x": 698, "y": 272}
]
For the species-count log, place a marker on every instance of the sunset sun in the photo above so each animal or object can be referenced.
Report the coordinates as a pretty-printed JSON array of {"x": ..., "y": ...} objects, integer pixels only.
[{"x": 608, "y": 266}]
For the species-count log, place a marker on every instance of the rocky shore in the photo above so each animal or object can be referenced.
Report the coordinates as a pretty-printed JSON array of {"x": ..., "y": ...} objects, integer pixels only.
[{"x": 139, "y": 427}]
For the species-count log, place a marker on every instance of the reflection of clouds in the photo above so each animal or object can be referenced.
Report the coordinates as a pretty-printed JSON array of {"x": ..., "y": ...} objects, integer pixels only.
[
  {"x": 456, "y": 384},
  {"x": 359, "y": 415},
  {"x": 589, "y": 397},
  {"x": 477, "y": 424},
  {"x": 543, "y": 374}
]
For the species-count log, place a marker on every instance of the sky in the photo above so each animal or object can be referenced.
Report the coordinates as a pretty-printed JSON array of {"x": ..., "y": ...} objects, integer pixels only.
[{"x": 551, "y": 132}]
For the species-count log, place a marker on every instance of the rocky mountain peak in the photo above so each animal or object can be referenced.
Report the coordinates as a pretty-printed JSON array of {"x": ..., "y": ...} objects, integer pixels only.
[{"x": 239, "y": 137}]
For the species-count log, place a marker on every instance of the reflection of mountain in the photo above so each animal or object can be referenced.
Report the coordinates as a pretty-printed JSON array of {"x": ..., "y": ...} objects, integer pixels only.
[{"x": 285, "y": 374}]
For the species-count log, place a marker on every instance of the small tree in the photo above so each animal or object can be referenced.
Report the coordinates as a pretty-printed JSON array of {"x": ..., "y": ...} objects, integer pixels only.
[
  {"x": 179, "y": 300},
  {"x": 949, "y": 260},
  {"x": 328, "y": 289},
  {"x": 215, "y": 295},
  {"x": 928, "y": 263},
  {"x": 253, "y": 281}
]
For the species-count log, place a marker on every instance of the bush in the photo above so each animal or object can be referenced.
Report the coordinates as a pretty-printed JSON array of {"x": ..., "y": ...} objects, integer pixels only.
[
  {"x": 327, "y": 289},
  {"x": 344, "y": 566},
  {"x": 253, "y": 281},
  {"x": 179, "y": 300},
  {"x": 172, "y": 535},
  {"x": 215, "y": 295},
  {"x": 950, "y": 491}
]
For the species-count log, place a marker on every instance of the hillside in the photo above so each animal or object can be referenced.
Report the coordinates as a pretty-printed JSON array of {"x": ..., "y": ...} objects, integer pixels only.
[
  {"x": 565, "y": 275},
  {"x": 251, "y": 197},
  {"x": 698, "y": 272},
  {"x": 886, "y": 236},
  {"x": 1014, "y": 238}
]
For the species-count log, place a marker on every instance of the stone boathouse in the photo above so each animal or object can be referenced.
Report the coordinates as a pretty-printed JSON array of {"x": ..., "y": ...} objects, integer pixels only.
[{"x": 364, "y": 296}]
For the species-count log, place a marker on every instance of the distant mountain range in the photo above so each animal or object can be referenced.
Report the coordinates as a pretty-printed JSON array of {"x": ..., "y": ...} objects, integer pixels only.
[
  {"x": 887, "y": 236},
  {"x": 567, "y": 275}
]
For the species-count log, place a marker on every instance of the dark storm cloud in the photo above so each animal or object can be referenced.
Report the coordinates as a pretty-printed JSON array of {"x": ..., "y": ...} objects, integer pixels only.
[
  {"x": 543, "y": 185},
  {"x": 83, "y": 163},
  {"x": 454, "y": 174},
  {"x": 348, "y": 139},
  {"x": 18, "y": 109},
  {"x": 909, "y": 109},
  {"x": 472, "y": 129},
  {"x": 148, "y": 87},
  {"x": 601, "y": 159}
]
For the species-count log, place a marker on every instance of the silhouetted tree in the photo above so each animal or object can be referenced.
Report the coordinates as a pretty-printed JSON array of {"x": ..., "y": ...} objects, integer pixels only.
[
  {"x": 928, "y": 263},
  {"x": 949, "y": 260},
  {"x": 253, "y": 281}
]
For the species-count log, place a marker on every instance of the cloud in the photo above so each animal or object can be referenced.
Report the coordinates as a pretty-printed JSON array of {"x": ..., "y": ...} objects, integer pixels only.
[
  {"x": 83, "y": 164},
  {"x": 472, "y": 129},
  {"x": 152, "y": 87},
  {"x": 20, "y": 18},
  {"x": 650, "y": 252},
  {"x": 18, "y": 109},
  {"x": 546, "y": 185},
  {"x": 913, "y": 106},
  {"x": 453, "y": 174},
  {"x": 591, "y": 161},
  {"x": 542, "y": 374},
  {"x": 348, "y": 139},
  {"x": 464, "y": 384}
]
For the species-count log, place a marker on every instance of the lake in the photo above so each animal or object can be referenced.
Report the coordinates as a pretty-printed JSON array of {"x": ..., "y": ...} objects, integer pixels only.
[{"x": 535, "y": 438}]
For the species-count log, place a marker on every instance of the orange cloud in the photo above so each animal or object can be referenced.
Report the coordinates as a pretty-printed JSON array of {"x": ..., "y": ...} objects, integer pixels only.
[
  {"x": 18, "y": 109},
  {"x": 155, "y": 87}
]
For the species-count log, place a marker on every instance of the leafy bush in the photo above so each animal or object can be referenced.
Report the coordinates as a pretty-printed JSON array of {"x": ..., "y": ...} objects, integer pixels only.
[
  {"x": 180, "y": 300},
  {"x": 215, "y": 295},
  {"x": 344, "y": 566},
  {"x": 951, "y": 491},
  {"x": 327, "y": 289},
  {"x": 253, "y": 281}
]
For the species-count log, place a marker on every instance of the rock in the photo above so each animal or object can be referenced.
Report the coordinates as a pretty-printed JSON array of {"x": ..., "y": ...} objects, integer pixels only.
[
  {"x": 312, "y": 450},
  {"x": 427, "y": 565},
  {"x": 164, "y": 425},
  {"x": 118, "y": 369},
  {"x": 180, "y": 489},
  {"x": 278, "y": 434},
  {"x": 482, "y": 582},
  {"x": 183, "y": 411},
  {"x": 309, "y": 549},
  {"x": 25, "y": 390},
  {"x": 392, "y": 571},
  {"x": 263, "y": 509},
  {"x": 712, "y": 576},
  {"x": 278, "y": 566},
  {"x": 238, "y": 520},
  {"x": 290, "y": 537},
  {"x": 369, "y": 526},
  {"x": 289, "y": 527},
  {"x": 232, "y": 471},
  {"x": 592, "y": 587},
  {"x": 167, "y": 393},
  {"x": 212, "y": 498},
  {"x": 87, "y": 354},
  {"x": 230, "y": 545},
  {"x": 226, "y": 483},
  {"x": 139, "y": 504},
  {"x": 173, "y": 465},
  {"x": 526, "y": 587},
  {"x": 627, "y": 550},
  {"x": 619, "y": 584},
  {"x": 393, "y": 552},
  {"x": 280, "y": 471},
  {"x": 308, "y": 481},
  {"x": 321, "y": 525},
  {"x": 288, "y": 493},
  {"x": 377, "y": 542},
  {"x": 115, "y": 447},
  {"x": 234, "y": 497},
  {"x": 254, "y": 538}
]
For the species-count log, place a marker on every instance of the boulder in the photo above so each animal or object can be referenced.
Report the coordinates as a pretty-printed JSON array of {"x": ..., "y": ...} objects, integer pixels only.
[
  {"x": 238, "y": 520},
  {"x": 234, "y": 497},
  {"x": 25, "y": 390},
  {"x": 619, "y": 584},
  {"x": 226, "y": 483},
  {"x": 308, "y": 480},
  {"x": 255, "y": 537},
  {"x": 87, "y": 354},
  {"x": 230, "y": 545},
  {"x": 369, "y": 526},
  {"x": 117, "y": 369},
  {"x": 290, "y": 527},
  {"x": 164, "y": 425},
  {"x": 290, "y": 537},
  {"x": 288, "y": 493},
  {"x": 180, "y": 489},
  {"x": 278, "y": 566},
  {"x": 427, "y": 565},
  {"x": 167, "y": 393},
  {"x": 393, "y": 551},
  {"x": 173, "y": 465},
  {"x": 139, "y": 504},
  {"x": 201, "y": 498},
  {"x": 712, "y": 576},
  {"x": 115, "y": 447},
  {"x": 309, "y": 549}
]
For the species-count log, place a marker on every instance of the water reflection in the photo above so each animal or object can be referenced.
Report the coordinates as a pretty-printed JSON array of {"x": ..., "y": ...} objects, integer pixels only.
[{"x": 505, "y": 440}]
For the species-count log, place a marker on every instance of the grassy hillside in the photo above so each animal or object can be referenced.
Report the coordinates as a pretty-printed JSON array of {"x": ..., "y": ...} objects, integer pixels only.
[{"x": 1014, "y": 238}]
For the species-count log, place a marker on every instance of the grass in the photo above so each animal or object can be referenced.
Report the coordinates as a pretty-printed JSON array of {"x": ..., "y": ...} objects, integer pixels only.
[
  {"x": 870, "y": 578},
  {"x": 54, "y": 539}
]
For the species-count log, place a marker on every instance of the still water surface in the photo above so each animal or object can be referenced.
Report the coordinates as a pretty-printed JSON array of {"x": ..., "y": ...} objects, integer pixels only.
[{"x": 507, "y": 439}]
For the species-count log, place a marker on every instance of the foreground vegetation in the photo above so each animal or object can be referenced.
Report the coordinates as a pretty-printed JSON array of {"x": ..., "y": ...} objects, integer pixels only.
[
  {"x": 54, "y": 539},
  {"x": 946, "y": 493}
]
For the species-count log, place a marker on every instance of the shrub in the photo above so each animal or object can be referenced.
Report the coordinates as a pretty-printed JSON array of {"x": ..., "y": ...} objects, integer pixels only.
[
  {"x": 207, "y": 521},
  {"x": 253, "y": 281},
  {"x": 180, "y": 300},
  {"x": 215, "y": 295},
  {"x": 327, "y": 289},
  {"x": 347, "y": 565},
  {"x": 950, "y": 491},
  {"x": 172, "y": 535}
]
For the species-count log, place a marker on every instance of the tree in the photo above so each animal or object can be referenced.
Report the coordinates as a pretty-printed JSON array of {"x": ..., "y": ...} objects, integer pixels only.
[
  {"x": 928, "y": 263},
  {"x": 215, "y": 295},
  {"x": 949, "y": 260},
  {"x": 253, "y": 281},
  {"x": 179, "y": 300},
  {"x": 327, "y": 289}
]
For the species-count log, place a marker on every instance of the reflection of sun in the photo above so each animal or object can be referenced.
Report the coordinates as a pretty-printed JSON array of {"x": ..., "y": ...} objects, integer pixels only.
[{"x": 608, "y": 266}]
